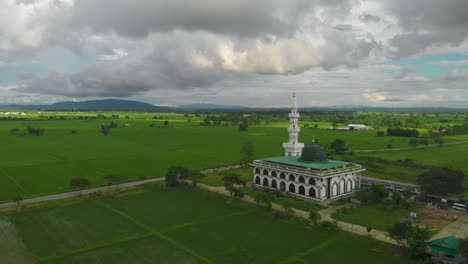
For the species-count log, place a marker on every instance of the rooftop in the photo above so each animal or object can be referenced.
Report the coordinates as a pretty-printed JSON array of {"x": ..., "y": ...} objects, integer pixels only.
[
  {"x": 448, "y": 245},
  {"x": 295, "y": 162}
]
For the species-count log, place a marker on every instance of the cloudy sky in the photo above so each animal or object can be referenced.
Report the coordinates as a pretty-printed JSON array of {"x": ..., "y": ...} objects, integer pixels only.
[{"x": 253, "y": 53}]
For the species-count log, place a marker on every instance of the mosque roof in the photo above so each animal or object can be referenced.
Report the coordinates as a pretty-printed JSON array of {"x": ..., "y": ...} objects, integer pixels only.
[
  {"x": 448, "y": 245},
  {"x": 296, "y": 162}
]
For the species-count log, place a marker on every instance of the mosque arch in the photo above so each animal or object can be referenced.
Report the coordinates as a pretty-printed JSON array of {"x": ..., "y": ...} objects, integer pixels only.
[
  {"x": 301, "y": 190},
  {"x": 257, "y": 180},
  {"x": 265, "y": 181},
  {"x": 292, "y": 188},
  {"x": 265, "y": 172},
  {"x": 312, "y": 193},
  {"x": 274, "y": 184},
  {"x": 292, "y": 177},
  {"x": 282, "y": 175},
  {"x": 282, "y": 186},
  {"x": 312, "y": 181},
  {"x": 273, "y": 174},
  {"x": 301, "y": 179},
  {"x": 334, "y": 189},
  {"x": 342, "y": 186},
  {"x": 257, "y": 170},
  {"x": 349, "y": 186}
]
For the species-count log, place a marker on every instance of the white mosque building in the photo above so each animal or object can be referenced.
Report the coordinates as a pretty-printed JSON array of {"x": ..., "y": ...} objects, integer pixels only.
[{"x": 304, "y": 171}]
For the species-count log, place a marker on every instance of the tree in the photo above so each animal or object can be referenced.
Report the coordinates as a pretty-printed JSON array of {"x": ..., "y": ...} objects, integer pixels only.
[
  {"x": 411, "y": 237},
  {"x": 247, "y": 151},
  {"x": 234, "y": 191},
  {"x": 244, "y": 125},
  {"x": 78, "y": 183},
  {"x": 380, "y": 133},
  {"x": 105, "y": 130},
  {"x": 338, "y": 145},
  {"x": 463, "y": 247},
  {"x": 373, "y": 194},
  {"x": 232, "y": 179},
  {"x": 264, "y": 198},
  {"x": 439, "y": 140},
  {"x": 413, "y": 142},
  {"x": 314, "y": 217},
  {"x": 174, "y": 173},
  {"x": 441, "y": 181},
  {"x": 397, "y": 198},
  {"x": 166, "y": 122}
]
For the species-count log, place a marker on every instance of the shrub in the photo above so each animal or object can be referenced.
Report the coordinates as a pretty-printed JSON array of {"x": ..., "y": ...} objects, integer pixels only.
[{"x": 78, "y": 183}]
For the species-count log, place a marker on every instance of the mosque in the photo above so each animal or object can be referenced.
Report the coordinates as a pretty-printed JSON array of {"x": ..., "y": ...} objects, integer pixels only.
[{"x": 304, "y": 171}]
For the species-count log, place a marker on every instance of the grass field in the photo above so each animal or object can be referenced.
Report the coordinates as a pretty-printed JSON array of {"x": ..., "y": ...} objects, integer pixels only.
[
  {"x": 216, "y": 179},
  {"x": 184, "y": 225},
  {"x": 39, "y": 165},
  {"x": 378, "y": 217},
  {"x": 453, "y": 156}
]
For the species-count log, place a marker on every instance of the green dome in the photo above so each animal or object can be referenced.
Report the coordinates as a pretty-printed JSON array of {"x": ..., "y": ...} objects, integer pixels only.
[{"x": 313, "y": 153}]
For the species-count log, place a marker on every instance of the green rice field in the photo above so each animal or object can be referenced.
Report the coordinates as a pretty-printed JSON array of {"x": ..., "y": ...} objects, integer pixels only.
[{"x": 181, "y": 225}]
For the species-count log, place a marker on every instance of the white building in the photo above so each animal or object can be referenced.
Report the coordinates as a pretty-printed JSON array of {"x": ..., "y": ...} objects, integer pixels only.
[
  {"x": 304, "y": 171},
  {"x": 359, "y": 127}
]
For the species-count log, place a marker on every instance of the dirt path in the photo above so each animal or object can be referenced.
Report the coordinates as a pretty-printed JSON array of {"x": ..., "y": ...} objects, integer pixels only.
[
  {"x": 325, "y": 214},
  {"x": 458, "y": 228},
  {"x": 60, "y": 196}
]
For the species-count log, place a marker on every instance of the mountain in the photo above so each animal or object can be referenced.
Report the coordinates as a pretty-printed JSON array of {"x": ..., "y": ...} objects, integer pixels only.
[
  {"x": 212, "y": 107},
  {"x": 106, "y": 104}
]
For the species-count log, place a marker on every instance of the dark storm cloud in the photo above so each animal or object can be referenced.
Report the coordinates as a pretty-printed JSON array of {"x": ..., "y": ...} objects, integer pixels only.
[{"x": 139, "y": 18}]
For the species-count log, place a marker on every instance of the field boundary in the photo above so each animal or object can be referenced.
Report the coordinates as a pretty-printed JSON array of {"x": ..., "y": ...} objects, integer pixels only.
[
  {"x": 409, "y": 148},
  {"x": 299, "y": 255},
  {"x": 154, "y": 231}
]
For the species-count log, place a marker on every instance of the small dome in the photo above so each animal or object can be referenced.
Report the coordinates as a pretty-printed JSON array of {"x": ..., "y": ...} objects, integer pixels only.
[{"x": 313, "y": 152}]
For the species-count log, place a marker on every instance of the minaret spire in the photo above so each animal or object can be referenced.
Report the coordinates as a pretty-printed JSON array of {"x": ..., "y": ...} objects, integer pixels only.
[{"x": 293, "y": 147}]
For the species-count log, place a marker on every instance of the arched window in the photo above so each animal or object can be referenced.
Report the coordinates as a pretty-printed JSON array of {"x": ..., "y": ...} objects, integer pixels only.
[
  {"x": 312, "y": 193},
  {"x": 342, "y": 186},
  {"x": 274, "y": 184},
  {"x": 265, "y": 172},
  {"x": 312, "y": 181},
  {"x": 257, "y": 170},
  {"x": 265, "y": 181},
  {"x": 292, "y": 188},
  {"x": 273, "y": 174},
  {"x": 349, "y": 186},
  {"x": 291, "y": 177},
  {"x": 257, "y": 180},
  {"x": 282, "y": 186},
  {"x": 282, "y": 176},
  {"x": 301, "y": 179},
  {"x": 301, "y": 190}
]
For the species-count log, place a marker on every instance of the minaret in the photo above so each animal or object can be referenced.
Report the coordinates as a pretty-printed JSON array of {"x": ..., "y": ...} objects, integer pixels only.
[{"x": 293, "y": 147}]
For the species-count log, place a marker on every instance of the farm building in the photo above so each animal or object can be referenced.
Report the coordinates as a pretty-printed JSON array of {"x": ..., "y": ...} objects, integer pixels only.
[
  {"x": 444, "y": 250},
  {"x": 304, "y": 171}
]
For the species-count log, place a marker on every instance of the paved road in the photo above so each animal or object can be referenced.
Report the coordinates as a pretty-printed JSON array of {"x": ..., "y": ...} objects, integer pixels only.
[
  {"x": 410, "y": 148},
  {"x": 79, "y": 193}
]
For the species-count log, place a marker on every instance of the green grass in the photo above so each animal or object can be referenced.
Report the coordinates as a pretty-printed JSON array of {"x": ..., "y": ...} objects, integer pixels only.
[
  {"x": 183, "y": 225},
  {"x": 289, "y": 201},
  {"x": 216, "y": 179},
  {"x": 33, "y": 166},
  {"x": 452, "y": 156},
  {"x": 378, "y": 217}
]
